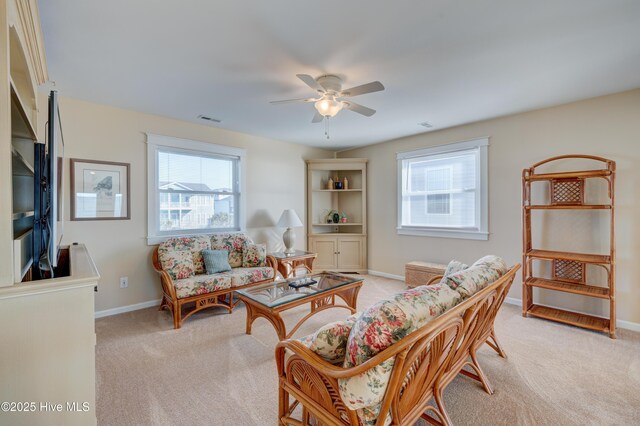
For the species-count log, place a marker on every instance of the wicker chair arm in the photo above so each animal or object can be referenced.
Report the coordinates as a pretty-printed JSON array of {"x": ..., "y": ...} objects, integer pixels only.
[
  {"x": 273, "y": 264},
  {"x": 435, "y": 279},
  {"x": 165, "y": 278}
]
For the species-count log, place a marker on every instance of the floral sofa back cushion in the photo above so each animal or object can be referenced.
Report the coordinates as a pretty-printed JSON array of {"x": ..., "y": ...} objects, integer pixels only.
[
  {"x": 469, "y": 281},
  {"x": 233, "y": 243},
  {"x": 194, "y": 244},
  {"x": 380, "y": 326}
]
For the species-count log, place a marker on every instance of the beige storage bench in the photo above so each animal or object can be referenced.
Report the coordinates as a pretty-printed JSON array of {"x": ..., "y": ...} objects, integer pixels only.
[{"x": 419, "y": 273}]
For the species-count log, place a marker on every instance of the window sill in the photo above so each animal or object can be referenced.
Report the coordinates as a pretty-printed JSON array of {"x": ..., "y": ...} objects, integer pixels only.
[{"x": 443, "y": 233}]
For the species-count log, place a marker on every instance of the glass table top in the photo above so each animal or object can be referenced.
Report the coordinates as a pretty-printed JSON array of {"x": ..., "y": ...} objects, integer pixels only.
[
  {"x": 283, "y": 255},
  {"x": 280, "y": 292}
]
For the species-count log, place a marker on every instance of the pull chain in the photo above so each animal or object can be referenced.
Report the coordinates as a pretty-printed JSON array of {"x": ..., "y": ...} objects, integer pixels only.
[{"x": 326, "y": 127}]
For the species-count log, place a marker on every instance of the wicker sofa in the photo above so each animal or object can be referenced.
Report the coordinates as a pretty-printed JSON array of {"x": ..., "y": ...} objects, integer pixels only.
[
  {"x": 187, "y": 287},
  {"x": 385, "y": 365}
]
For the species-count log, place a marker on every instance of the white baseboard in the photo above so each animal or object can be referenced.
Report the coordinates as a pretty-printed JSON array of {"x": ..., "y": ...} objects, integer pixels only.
[
  {"x": 385, "y": 275},
  {"x": 128, "y": 308},
  {"x": 513, "y": 301},
  {"x": 627, "y": 325}
]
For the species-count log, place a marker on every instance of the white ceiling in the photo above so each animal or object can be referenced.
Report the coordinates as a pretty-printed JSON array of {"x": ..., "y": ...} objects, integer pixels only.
[{"x": 442, "y": 61}]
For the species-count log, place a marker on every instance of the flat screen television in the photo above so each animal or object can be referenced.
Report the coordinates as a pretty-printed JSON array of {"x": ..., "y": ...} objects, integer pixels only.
[
  {"x": 54, "y": 212},
  {"x": 48, "y": 223}
]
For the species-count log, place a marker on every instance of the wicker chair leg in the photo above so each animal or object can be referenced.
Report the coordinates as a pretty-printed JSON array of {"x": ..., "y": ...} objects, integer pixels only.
[
  {"x": 439, "y": 421},
  {"x": 442, "y": 411},
  {"x": 495, "y": 345},
  {"x": 483, "y": 378},
  {"x": 283, "y": 404},
  {"x": 177, "y": 316}
]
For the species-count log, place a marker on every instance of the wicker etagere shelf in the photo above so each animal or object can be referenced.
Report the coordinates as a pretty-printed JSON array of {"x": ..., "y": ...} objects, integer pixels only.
[{"x": 568, "y": 270}]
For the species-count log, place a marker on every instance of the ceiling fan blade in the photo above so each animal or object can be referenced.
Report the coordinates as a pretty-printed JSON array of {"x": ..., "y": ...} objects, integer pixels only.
[
  {"x": 359, "y": 108},
  {"x": 374, "y": 86},
  {"x": 286, "y": 101},
  {"x": 311, "y": 82},
  {"x": 317, "y": 117}
]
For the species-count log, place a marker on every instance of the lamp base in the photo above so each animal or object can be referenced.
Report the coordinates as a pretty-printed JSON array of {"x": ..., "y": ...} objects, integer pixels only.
[{"x": 289, "y": 239}]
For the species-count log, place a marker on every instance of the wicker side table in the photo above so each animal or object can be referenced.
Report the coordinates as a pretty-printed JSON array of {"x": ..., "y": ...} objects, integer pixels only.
[{"x": 419, "y": 273}]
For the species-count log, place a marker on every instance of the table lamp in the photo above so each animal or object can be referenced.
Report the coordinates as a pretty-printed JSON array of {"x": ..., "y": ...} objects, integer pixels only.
[{"x": 289, "y": 219}]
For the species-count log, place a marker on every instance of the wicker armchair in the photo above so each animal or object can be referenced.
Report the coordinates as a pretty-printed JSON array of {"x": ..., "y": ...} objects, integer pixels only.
[{"x": 426, "y": 361}]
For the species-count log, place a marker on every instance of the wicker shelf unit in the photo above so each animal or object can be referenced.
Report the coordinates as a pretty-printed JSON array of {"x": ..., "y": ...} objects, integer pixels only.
[{"x": 568, "y": 269}]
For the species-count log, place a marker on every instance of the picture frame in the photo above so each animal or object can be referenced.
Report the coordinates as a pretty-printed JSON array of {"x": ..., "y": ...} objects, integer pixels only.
[{"x": 100, "y": 190}]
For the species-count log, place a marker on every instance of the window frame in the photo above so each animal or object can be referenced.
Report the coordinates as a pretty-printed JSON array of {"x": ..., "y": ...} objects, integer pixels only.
[
  {"x": 163, "y": 143},
  {"x": 479, "y": 232}
]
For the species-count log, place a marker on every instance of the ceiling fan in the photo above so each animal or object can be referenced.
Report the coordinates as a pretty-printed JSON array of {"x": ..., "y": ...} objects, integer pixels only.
[{"x": 332, "y": 97}]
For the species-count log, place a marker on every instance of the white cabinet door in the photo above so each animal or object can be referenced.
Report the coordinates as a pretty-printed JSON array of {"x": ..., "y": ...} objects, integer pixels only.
[
  {"x": 350, "y": 253},
  {"x": 327, "y": 249}
]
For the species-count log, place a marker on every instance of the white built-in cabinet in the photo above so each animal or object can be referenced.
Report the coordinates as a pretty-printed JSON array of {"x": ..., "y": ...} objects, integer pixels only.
[
  {"x": 23, "y": 70},
  {"x": 341, "y": 246},
  {"x": 47, "y": 338}
]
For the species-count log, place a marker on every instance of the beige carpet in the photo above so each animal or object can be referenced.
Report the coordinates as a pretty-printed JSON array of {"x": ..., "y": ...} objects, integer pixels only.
[{"x": 211, "y": 373}]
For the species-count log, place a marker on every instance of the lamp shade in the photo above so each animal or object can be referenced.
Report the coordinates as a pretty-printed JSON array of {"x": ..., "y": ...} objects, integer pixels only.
[{"x": 289, "y": 219}]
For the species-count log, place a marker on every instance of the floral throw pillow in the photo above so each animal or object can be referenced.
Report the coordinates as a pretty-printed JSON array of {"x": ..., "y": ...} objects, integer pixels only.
[
  {"x": 479, "y": 275},
  {"x": 178, "y": 263},
  {"x": 254, "y": 255},
  {"x": 455, "y": 266},
  {"x": 330, "y": 340}
]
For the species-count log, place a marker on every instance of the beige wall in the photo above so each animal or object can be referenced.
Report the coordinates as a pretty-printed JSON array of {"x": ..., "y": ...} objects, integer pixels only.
[
  {"x": 608, "y": 126},
  {"x": 275, "y": 181}
]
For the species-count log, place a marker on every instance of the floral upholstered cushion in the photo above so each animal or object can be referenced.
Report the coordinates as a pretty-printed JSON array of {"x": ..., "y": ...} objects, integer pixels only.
[
  {"x": 380, "y": 326},
  {"x": 233, "y": 243},
  {"x": 178, "y": 264},
  {"x": 453, "y": 267},
  {"x": 243, "y": 276},
  {"x": 330, "y": 340},
  {"x": 473, "y": 279},
  {"x": 201, "y": 284},
  {"x": 494, "y": 262},
  {"x": 388, "y": 321},
  {"x": 254, "y": 255},
  {"x": 195, "y": 244}
]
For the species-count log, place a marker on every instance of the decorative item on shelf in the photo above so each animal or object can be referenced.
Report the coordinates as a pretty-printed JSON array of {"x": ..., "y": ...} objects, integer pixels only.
[
  {"x": 289, "y": 219},
  {"x": 345, "y": 183},
  {"x": 338, "y": 183},
  {"x": 330, "y": 183},
  {"x": 333, "y": 216}
]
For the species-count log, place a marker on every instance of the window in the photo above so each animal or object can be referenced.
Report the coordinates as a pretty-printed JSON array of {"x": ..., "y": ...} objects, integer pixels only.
[
  {"x": 193, "y": 187},
  {"x": 442, "y": 191}
]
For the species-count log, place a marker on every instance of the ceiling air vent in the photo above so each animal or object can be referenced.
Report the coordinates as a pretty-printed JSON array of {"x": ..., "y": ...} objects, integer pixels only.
[
  {"x": 204, "y": 117},
  {"x": 426, "y": 124}
]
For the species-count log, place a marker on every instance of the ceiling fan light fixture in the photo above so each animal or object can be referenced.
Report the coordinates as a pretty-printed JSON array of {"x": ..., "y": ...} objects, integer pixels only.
[{"x": 327, "y": 106}]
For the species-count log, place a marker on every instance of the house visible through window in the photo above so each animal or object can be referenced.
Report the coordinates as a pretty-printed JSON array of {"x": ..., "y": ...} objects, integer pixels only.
[
  {"x": 442, "y": 191},
  {"x": 194, "y": 187}
]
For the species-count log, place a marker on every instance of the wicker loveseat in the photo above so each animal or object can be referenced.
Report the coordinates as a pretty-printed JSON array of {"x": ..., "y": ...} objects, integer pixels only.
[
  {"x": 385, "y": 365},
  {"x": 185, "y": 283}
]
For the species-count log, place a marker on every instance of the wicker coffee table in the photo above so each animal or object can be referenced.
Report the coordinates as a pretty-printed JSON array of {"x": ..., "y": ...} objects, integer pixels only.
[{"x": 268, "y": 300}]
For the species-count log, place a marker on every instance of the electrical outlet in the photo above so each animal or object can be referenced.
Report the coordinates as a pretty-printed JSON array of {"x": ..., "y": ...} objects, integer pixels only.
[{"x": 124, "y": 282}]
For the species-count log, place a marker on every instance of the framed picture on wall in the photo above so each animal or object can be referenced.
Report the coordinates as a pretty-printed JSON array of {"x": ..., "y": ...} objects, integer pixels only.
[{"x": 100, "y": 190}]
